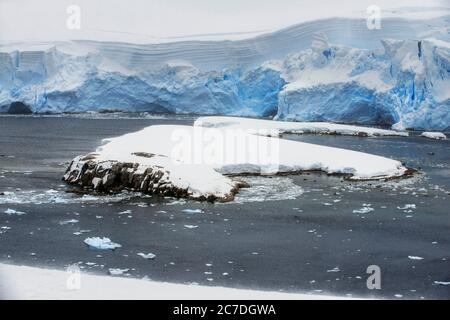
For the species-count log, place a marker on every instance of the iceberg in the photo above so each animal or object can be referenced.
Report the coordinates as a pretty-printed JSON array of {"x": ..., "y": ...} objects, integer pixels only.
[{"x": 434, "y": 135}]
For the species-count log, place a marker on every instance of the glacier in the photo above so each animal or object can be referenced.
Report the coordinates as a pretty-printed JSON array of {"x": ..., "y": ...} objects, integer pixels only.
[{"x": 333, "y": 70}]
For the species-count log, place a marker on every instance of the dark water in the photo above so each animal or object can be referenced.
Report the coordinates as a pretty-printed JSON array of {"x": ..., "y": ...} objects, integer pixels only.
[{"x": 305, "y": 236}]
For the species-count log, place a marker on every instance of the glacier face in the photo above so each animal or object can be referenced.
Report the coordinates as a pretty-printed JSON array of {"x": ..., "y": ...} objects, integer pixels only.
[
  {"x": 405, "y": 85},
  {"x": 292, "y": 74}
]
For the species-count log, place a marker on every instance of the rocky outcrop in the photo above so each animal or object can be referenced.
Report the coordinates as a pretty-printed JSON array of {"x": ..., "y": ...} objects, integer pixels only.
[{"x": 91, "y": 173}]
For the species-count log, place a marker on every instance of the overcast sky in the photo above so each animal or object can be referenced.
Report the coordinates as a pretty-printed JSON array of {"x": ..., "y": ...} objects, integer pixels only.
[{"x": 150, "y": 20}]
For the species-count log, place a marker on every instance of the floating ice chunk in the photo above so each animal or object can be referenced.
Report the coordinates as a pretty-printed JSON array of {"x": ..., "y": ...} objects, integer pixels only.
[
  {"x": 4, "y": 229},
  {"x": 101, "y": 243},
  {"x": 434, "y": 135},
  {"x": 70, "y": 221},
  {"x": 117, "y": 271},
  {"x": 190, "y": 226},
  {"x": 335, "y": 269},
  {"x": 125, "y": 212},
  {"x": 415, "y": 258},
  {"x": 14, "y": 212},
  {"x": 147, "y": 255},
  {"x": 78, "y": 233},
  {"x": 407, "y": 207},
  {"x": 365, "y": 209},
  {"x": 192, "y": 211},
  {"x": 442, "y": 283}
]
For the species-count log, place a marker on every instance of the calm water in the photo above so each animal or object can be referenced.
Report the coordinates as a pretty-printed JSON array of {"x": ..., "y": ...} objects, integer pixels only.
[{"x": 303, "y": 233}]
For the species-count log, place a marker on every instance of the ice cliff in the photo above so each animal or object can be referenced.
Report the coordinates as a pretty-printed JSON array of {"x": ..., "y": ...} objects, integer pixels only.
[{"x": 328, "y": 70}]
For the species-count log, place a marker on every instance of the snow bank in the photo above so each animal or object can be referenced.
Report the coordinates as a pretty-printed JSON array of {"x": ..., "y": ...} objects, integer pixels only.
[
  {"x": 20, "y": 282},
  {"x": 280, "y": 127},
  {"x": 434, "y": 135}
]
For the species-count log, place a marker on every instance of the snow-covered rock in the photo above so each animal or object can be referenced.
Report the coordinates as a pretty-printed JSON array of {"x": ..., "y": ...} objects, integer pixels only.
[
  {"x": 116, "y": 169},
  {"x": 148, "y": 256},
  {"x": 117, "y": 271},
  {"x": 434, "y": 135},
  {"x": 193, "y": 162},
  {"x": 327, "y": 70}
]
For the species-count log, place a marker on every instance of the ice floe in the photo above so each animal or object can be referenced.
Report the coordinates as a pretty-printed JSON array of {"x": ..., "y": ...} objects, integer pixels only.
[
  {"x": 70, "y": 221},
  {"x": 11, "y": 212},
  {"x": 192, "y": 211},
  {"x": 407, "y": 207},
  {"x": 434, "y": 135},
  {"x": 117, "y": 271},
  {"x": 101, "y": 243},
  {"x": 415, "y": 258},
  {"x": 148, "y": 256},
  {"x": 366, "y": 208}
]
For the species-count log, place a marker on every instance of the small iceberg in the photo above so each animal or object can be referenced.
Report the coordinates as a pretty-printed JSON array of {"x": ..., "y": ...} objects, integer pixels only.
[
  {"x": 192, "y": 211},
  {"x": 148, "y": 256},
  {"x": 11, "y": 212},
  {"x": 101, "y": 243},
  {"x": 434, "y": 135}
]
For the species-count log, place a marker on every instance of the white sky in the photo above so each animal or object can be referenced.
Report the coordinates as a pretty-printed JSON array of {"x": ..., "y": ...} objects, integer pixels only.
[{"x": 151, "y": 20}]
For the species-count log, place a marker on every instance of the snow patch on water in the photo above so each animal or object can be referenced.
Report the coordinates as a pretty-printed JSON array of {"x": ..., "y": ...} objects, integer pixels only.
[{"x": 192, "y": 211}]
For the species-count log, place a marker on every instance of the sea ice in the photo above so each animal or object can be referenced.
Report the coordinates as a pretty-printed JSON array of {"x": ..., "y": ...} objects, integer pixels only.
[
  {"x": 434, "y": 135},
  {"x": 147, "y": 255},
  {"x": 101, "y": 243}
]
